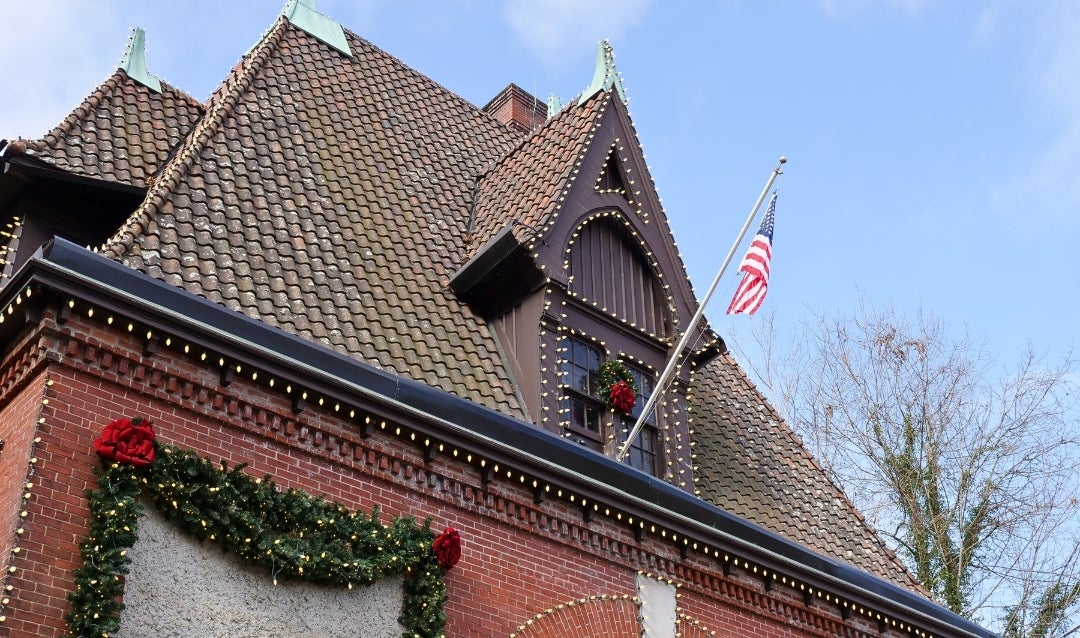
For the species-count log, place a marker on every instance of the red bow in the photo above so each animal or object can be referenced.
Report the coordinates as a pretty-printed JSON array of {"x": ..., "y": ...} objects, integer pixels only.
[
  {"x": 128, "y": 441},
  {"x": 622, "y": 396},
  {"x": 447, "y": 548}
]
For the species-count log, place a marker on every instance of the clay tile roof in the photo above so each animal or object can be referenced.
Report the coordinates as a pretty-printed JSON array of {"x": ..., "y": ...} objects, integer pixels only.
[
  {"x": 527, "y": 184},
  {"x": 329, "y": 196},
  {"x": 754, "y": 466},
  {"x": 122, "y": 132}
]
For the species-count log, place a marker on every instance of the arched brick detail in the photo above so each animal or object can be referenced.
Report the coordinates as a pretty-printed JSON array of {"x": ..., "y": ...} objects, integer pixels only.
[
  {"x": 595, "y": 617},
  {"x": 691, "y": 628}
]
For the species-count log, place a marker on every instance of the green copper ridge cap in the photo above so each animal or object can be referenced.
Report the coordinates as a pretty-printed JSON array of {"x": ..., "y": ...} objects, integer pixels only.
[
  {"x": 134, "y": 62},
  {"x": 554, "y": 105},
  {"x": 605, "y": 77},
  {"x": 304, "y": 16}
]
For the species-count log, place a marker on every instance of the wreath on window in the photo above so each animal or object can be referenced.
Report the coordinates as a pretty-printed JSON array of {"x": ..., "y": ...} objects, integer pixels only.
[{"x": 615, "y": 384}]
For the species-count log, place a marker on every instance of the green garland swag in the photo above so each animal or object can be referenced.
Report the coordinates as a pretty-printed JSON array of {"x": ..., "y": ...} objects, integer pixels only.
[{"x": 292, "y": 534}]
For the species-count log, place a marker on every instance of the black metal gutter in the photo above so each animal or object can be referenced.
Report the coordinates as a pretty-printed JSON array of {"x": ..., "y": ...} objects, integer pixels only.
[{"x": 69, "y": 269}]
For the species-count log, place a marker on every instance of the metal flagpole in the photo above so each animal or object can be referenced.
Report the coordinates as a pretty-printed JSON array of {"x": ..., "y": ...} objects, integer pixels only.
[{"x": 662, "y": 382}]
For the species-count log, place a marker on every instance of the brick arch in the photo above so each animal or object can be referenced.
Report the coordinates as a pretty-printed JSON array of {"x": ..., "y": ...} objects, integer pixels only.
[
  {"x": 691, "y": 628},
  {"x": 593, "y": 617}
]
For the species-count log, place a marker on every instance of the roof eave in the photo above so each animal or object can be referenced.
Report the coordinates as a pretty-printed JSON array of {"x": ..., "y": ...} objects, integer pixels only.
[{"x": 72, "y": 271}]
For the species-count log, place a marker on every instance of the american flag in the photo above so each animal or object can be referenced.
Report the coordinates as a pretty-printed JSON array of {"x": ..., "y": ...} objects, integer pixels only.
[{"x": 751, "y": 290}]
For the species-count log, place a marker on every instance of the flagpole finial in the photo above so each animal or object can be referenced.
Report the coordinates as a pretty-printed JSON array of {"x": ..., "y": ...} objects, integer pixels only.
[{"x": 783, "y": 160}]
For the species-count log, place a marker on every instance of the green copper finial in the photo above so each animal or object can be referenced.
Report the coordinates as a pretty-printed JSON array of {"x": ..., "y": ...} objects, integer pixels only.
[
  {"x": 605, "y": 76},
  {"x": 554, "y": 104},
  {"x": 134, "y": 62},
  {"x": 304, "y": 16}
]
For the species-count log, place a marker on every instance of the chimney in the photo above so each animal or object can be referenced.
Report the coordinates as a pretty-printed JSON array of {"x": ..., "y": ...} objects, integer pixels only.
[{"x": 514, "y": 107}]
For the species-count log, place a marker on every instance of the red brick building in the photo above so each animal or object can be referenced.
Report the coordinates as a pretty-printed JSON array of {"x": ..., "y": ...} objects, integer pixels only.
[{"x": 350, "y": 281}]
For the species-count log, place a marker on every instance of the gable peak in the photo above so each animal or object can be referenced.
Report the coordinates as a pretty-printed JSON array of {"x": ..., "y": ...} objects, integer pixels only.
[
  {"x": 134, "y": 61},
  {"x": 612, "y": 177},
  {"x": 605, "y": 77},
  {"x": 304, "y": 16}
]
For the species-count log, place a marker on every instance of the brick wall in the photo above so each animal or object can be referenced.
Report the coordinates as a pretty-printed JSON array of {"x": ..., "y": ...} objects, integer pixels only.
[{"x": 527, "y": 567}]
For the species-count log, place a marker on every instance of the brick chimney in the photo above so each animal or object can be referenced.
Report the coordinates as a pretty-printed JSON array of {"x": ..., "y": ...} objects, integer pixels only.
[{"x": 517, "y": 109}]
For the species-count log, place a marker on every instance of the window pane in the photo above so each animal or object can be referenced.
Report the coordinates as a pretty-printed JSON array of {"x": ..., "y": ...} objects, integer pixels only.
[
  {"x": 642, "y": 452},
  {"x": 584, "y": 415}
]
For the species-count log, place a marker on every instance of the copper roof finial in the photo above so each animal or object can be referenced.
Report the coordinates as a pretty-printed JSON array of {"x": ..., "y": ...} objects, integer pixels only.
[
  {"x": 605, "y": 77},
  {"x": 554, "y": 105},
  {"x": 304, "y": 16},
  {"x": 134, "y": 62}
]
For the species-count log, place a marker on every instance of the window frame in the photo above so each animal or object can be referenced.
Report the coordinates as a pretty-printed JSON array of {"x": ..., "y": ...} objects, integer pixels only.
[
  {"x": 578, "y": 364},
  {"x": 580, "y": 394},
  {"x": 648, "y": 438}
]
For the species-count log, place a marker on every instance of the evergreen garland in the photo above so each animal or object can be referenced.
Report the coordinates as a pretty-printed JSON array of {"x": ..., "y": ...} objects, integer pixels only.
[
  {"x": 290, "y": 533},
  {"x": 611, "y": 372}
]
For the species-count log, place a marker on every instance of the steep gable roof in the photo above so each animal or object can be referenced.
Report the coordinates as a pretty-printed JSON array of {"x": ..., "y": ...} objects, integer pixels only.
[
  {"x": 752, "y": 464},
  {"x": 527, "y": 187},
  {"x": 329, "y": 196},
  {"x": 122, "y": 132}
]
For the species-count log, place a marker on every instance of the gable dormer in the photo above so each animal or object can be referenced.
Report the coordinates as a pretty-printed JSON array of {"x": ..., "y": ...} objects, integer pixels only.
[
  {"x": 574, "y": 264},
  {"x": 85, "y": 177}
]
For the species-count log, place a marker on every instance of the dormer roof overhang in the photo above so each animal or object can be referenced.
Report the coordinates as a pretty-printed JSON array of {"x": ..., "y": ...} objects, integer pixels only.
[
  {"x": 498, "y": 275},
  {"x": 20, "y": 172}
]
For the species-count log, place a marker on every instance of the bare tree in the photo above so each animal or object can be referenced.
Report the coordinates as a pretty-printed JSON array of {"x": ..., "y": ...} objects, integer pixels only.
[{"x": 969, "y": 470}]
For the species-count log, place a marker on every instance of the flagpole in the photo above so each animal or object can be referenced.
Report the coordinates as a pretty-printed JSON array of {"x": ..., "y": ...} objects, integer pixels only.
[{"x": 662, "y": 382}]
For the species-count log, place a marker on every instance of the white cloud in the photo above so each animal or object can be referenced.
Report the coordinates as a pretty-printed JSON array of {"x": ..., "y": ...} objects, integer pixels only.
[
  {"x": 550, "y": 28},
  {"x": 54, "y": 57},
  {"x": 1048, "y": 186}
]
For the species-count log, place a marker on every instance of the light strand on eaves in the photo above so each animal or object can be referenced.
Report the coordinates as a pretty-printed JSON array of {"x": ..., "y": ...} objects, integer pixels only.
[
  {"x": 567, "y": 183},
  {"x": 542, "y": 489}
]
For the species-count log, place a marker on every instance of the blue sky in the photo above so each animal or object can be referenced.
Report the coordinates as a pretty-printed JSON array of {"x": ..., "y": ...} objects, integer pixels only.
[{"x": 933, "y": 145}]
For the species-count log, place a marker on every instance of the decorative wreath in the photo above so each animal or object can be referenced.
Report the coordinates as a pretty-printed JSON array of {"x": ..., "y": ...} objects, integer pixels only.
[{"x": 615, "y": 384}]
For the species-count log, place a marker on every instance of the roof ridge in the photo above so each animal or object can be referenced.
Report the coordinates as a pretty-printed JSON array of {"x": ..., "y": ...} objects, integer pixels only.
[
  {"x": 217, "y": 108},
  {"x": 86, "y": 105},
  {"x": 790, "y": 433},
  {"x": 527, "y": 140},
  {"x": 405, "y": 67},
  {"x": 189, "y": 98}
]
